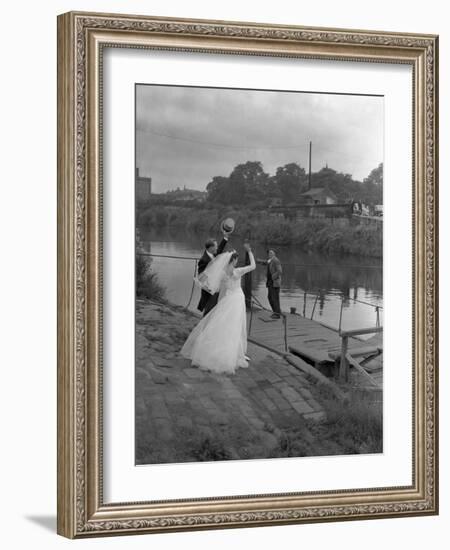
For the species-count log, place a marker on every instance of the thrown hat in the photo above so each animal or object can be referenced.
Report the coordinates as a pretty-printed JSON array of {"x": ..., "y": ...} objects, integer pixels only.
[{"x": 227, "y": 225}]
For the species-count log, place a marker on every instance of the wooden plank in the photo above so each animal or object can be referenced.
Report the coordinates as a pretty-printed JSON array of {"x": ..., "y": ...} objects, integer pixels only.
[
  {"x": 374, "y": 363},
  {"x": 311, "y": 371},
  {"x": 351, "y": 345},
  {"x": 318, "y": 356},
  {"x": 265, "y": 330},
  {"x": 265, "y": 346},
  {"x": 343, "y": 366},
  {"x": 361, "y": 331},
  {"x": 272, "y": 341},
  {"x": 355, "y": 352},
  {"x": 378, "y": 377},
  {"x": 306, "y": 338},
  {"x": 266, "y": 336},
  {"x": 376, "y": 339},
  {"x": 368, "y": 389},
  {"x": 360, "y": 369}
]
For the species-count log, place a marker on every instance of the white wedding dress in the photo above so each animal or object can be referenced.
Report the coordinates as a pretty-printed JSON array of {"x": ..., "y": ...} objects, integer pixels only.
[{"x": 218, "y": 343}]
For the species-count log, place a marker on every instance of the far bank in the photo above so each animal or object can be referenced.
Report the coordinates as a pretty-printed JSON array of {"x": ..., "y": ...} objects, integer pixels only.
[{"x": 327, "y": 235}]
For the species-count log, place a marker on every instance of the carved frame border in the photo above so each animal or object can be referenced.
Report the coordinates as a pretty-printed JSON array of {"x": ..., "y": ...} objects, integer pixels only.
[{"x": 81, "y": 37}]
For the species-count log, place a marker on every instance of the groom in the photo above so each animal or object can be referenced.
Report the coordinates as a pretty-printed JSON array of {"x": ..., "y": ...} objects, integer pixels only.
[{"x": 207, "y": 300}]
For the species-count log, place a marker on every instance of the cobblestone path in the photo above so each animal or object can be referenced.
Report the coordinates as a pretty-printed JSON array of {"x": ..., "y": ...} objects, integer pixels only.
[{"x": 184, "y": 414}]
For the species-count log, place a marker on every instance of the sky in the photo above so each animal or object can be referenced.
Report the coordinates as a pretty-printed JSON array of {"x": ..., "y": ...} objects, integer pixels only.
[{"x": 187, "y": 135}]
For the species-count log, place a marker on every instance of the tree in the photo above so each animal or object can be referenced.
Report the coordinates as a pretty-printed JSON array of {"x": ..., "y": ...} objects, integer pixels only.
[
  {"x": 342, "y": 185},
  {"x": 217, "y": 190},
  {"x": 375, "y": 176},
  {"x": 291, "y": 181},
  {"x": 247, "y": 183},
  {"x": 372, "y": 186}
]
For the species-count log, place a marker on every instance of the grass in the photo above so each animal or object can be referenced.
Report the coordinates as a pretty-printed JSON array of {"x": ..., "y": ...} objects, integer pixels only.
[
  {"x": 210, "y": 449},
  {"x": 195, "y": 445},
  {"x": 147, "y": 283},
  {"x": 350, "y": 428},
  {"x": 321, "y": 234},
  {"x": 189, "y": 448},
  {"x": 356, "y": 425}
]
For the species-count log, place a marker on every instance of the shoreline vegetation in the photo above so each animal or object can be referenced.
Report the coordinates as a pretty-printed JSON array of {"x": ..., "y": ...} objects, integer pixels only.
[
  {"x": 325, "y": 235},
  {"x": 147, "y": 282}
]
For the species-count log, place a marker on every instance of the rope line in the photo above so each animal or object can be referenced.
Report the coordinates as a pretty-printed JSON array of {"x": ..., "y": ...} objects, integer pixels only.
[
  {"x": 193, "y": 286},
  {"x": 192, "y": 258},
  {"x": 222, "y": 145},
  {"x": 315, "y": 293}
]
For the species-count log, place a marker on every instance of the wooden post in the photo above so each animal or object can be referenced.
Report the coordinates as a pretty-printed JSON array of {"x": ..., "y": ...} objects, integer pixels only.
[
  {"x": 354, "y": 363},
  {"x": 314, "y": 307},
  {"x": 336, "y": 368},
  {"x": 343, "y": 370},
  {"x": 193, "y": 285},
  {"x": 247, "y": 284},
  {"x": 251, "y": 319},
  {"x": 344, "y": 355},
  {"x": 309, "y": 174},
  {"x": 285, "y": 331},
  {"x": 340, "y": 313}
]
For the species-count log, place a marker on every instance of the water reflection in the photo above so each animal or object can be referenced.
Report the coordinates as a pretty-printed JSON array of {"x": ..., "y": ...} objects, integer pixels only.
[{"x": 327, "y": 280}]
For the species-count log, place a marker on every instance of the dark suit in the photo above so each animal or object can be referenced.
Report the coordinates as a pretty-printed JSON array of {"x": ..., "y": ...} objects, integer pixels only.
[
  {"x": 273, "y": 283},
  {"x": 207, "y": 300}
]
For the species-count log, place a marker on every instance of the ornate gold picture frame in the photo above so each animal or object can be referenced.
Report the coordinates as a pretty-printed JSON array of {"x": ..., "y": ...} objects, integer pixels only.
[{"x": 82, "y": 39}]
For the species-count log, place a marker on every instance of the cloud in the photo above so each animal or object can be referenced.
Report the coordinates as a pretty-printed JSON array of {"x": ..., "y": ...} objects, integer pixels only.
[{"x": 187, "y": 135}]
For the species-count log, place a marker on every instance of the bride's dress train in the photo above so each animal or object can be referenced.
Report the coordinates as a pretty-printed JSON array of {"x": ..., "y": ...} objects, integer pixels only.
[{"x": 218, "y": 343}]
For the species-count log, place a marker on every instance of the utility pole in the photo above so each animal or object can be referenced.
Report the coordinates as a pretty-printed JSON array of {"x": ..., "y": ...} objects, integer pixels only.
[{"x": 309, "y": 175}]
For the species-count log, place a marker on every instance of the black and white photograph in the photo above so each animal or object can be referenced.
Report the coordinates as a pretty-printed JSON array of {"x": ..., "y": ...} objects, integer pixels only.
[
  {"x": 224, "y": 275},
  {"x": 258, "y": 274}
]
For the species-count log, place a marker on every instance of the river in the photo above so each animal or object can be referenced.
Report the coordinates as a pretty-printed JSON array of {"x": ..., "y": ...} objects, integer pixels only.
[{"x": 325, "y": 279}]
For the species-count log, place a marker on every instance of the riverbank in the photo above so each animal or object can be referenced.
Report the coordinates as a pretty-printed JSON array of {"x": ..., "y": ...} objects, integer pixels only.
[
  {"x": 326, "y": 235},
  {"x": 268, "y": 410}
]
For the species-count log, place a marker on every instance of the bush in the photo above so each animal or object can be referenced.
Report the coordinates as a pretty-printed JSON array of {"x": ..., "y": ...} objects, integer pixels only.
[
  {"x": 356, "y": 425},
  {"x": 145, "y": 218},
  {"x": 147, "y": 283},
  {"x": 210, "y": 449},
  {"x": 161, "y": 217},
  {"x": 320, "y": 234}
]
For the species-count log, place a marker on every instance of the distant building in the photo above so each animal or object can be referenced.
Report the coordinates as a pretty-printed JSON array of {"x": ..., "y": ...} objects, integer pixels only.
[
  {"x": 275, "y": 201},
  {"x": 318, "y": 195},
  {"x": 186, "y": 194},
  {"x": 143, "y": 187}
]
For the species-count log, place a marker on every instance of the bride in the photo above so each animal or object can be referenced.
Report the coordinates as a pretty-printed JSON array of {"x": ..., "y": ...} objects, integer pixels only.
[{"x": 218, "y": 343}]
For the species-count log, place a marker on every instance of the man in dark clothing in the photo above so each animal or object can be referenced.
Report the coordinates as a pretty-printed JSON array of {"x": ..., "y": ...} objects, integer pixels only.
[
  {"x": 273, "y": 282},
  {"x": 207, "y": 300}
]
